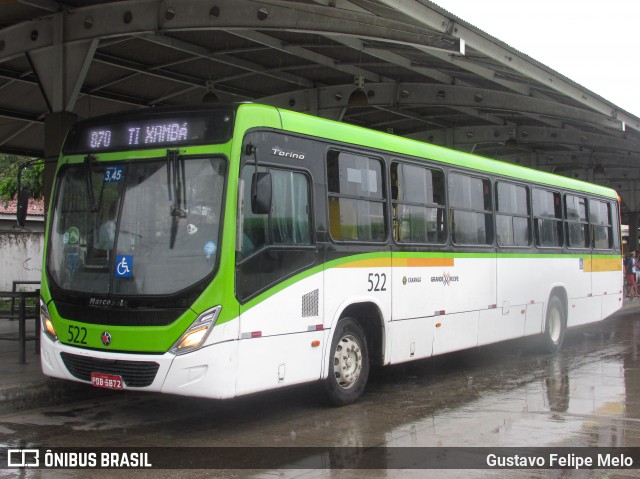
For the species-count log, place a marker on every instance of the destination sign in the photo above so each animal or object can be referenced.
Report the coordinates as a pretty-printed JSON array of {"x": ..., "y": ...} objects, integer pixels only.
[{"x": 125, "y": 133}]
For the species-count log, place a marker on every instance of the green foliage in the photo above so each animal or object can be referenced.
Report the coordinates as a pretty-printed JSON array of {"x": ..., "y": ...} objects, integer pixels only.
[
  {"x": 33, "y": 176},
  {"x": 8, "y": 187}
]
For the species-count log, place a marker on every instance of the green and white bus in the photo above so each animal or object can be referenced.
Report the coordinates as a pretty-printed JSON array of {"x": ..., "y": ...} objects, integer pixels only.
[{"x": 227, "y": 250}]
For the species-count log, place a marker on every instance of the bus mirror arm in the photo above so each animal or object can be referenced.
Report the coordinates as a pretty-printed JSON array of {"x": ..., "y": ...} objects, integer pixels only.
[
  {"x": 260, "y": 185},
  {"x": 240, "y": 218}
]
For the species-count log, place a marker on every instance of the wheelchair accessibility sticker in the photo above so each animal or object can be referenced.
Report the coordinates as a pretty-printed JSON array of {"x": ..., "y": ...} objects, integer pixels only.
[{"x": 124, "y": 266}]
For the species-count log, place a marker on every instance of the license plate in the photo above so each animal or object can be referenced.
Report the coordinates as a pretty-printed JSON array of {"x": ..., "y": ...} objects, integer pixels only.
[{"x": 107, "y": 381}]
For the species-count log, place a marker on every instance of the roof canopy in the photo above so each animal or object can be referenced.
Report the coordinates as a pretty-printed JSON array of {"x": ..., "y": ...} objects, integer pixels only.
[{"x": 416, "y": 71}]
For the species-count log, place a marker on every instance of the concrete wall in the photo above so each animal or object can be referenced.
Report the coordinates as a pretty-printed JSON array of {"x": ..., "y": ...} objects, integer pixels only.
[{"x": 20, "y": 257}]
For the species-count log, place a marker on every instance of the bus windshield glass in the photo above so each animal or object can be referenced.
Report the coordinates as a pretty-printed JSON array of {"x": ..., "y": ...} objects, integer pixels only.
[{"x": 148, "y": 228}]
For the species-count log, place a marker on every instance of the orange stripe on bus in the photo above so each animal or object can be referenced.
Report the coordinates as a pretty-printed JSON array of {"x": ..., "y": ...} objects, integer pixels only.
[
  {"x": 423, "y": 262},
  {"x": 399, "y": 262},
  {"x": 596, "y": 265},
  {"x": 368, "y": 263}
]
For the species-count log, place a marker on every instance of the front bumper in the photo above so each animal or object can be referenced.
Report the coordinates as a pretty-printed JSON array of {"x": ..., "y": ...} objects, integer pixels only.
[{"x": 207, "y": 372}]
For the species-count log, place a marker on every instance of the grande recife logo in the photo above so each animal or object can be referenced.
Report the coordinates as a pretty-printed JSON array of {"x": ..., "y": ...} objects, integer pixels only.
[{"x": 446, "y": 279}]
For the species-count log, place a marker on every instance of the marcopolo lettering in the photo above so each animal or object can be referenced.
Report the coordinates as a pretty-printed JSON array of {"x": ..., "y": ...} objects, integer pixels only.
[
  {"x": 108, "y": 303},
  {"x": 277, "y": 151}
]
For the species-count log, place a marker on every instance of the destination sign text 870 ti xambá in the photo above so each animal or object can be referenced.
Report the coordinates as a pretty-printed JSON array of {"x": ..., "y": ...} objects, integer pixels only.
[{"x": 149, "y": 131}]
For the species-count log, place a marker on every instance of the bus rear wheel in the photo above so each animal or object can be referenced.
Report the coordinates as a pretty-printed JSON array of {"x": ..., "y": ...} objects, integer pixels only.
[
  {"x": 555, "y": 325},
  {"x": 349, "y": 364}
]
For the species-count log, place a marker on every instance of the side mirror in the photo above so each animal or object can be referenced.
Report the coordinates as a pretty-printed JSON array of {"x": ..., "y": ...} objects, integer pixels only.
[
  {"x": 261, "y": 193},
  {"x": 23, "y": 206}
]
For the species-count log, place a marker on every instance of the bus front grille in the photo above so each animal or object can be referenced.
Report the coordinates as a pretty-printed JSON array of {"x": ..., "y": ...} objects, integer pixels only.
[
  {"x": 118, "y": 317},
  {"x": 134, "y": 373}
]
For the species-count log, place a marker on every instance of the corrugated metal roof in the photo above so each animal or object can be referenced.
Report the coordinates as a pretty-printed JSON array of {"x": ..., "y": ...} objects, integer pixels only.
[{"x": 304, "y": 56}]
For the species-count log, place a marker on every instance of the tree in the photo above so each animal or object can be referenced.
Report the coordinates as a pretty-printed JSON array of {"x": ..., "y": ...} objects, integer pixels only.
[{"x": 32, "y": 176}]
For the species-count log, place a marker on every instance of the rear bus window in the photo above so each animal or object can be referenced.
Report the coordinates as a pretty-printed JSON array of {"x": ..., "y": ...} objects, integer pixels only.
[{"x": 602, "y": 224}]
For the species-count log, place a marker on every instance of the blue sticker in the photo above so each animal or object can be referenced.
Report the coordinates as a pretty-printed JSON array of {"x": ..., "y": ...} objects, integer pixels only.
[
  {"x": 124, "y": 266},
  {"x": 581, "y": 264},
  {"x": 210, "y": 248},
  {"x": 113, "y": 174},
  {"x": 72, "y": 262}
]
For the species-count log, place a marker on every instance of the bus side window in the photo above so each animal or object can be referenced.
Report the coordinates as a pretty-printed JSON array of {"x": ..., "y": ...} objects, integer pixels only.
[
  {"x": 418, "y": 204},
  {"x": 356, "y": 197},
  {"x": 290, "y": 209},
  {"x": 577, "y": 221},
  {"x": 288, "y": 221},
  {"x": 470, "y": 212},
  {"x": 512, "y": 214},
  {"x": 547, "y": 214}
]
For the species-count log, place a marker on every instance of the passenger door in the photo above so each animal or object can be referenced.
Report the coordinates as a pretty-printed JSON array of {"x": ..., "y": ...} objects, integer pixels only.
[{"x": 277, "y": 282}]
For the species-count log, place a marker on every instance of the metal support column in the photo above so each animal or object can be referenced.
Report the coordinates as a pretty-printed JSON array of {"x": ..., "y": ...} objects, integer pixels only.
[{"x": 56, "y": 126}]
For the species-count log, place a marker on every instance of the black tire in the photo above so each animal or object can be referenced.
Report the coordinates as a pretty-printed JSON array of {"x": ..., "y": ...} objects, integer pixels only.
[
  {"x": 348, "y": 364},
  {"x": 555, "y": 325}
]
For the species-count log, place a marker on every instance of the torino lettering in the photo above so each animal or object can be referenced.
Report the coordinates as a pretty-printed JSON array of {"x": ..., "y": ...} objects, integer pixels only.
[{"x": 288, "y": 154}]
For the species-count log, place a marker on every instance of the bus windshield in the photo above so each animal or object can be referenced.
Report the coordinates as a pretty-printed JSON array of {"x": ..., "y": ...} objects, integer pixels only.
[{"x": 136, "y": 228}]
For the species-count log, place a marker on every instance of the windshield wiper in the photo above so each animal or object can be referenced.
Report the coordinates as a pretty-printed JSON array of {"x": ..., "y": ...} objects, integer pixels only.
[
  {"x": 176, "y": 187},
  {"x": 88, "y": 164},
  {"x": 176, "y": 184}
]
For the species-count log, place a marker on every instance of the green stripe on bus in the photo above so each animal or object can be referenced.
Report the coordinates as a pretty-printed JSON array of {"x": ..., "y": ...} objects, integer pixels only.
[{"x": 388, "y": 255}]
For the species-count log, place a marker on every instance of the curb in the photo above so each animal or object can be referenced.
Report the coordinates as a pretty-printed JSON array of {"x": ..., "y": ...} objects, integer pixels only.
[{"x": 45, "y": 392}]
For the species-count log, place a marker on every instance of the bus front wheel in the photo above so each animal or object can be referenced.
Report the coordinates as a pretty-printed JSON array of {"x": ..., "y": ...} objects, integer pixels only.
[
  {"x": 349, "y": 364},
  {"x": 555, "y": 325}
]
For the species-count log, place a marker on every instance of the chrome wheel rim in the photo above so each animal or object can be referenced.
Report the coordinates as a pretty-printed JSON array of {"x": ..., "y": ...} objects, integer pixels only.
[
  {"x": 555, "y": 325},
  {"x": 347, "y": 362}
]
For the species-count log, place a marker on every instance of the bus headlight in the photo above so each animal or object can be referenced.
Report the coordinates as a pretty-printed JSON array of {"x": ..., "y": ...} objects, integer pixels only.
[
  {"x": 45, "y": 322},
  {"x": 197, "y": 333}
]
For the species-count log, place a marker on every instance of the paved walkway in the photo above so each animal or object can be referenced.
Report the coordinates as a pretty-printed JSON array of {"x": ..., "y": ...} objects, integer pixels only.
[{"x": 23, "y": 386}]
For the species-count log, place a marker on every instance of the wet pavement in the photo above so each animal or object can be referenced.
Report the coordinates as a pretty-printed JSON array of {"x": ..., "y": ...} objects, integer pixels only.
[{"x": 503, "y": 395}]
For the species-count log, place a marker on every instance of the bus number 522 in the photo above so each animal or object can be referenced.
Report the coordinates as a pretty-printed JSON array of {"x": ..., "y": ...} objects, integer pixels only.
[{"x": 377, "y": 282}]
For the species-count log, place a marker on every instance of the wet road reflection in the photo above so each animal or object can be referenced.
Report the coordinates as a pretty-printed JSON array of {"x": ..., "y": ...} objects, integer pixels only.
[{"x": 502, "y": 395}]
